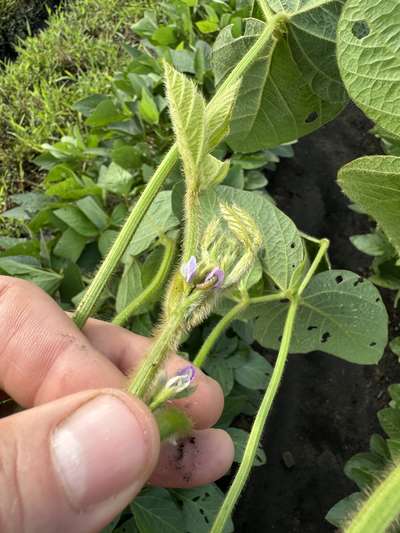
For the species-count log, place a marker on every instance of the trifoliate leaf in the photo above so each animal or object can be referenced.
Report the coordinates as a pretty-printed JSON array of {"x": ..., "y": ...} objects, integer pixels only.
[
  {"x": 46, "y": 280},
  {"x": 369, "y": 60},
  {"x": 374, "y": 184},
  {"x": 340, "y": 313}
]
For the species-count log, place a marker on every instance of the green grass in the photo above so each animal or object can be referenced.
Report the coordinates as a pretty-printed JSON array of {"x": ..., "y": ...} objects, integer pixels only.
[
  {"x": 16, "y": 19},
  {"x": 74, "y": 56}
]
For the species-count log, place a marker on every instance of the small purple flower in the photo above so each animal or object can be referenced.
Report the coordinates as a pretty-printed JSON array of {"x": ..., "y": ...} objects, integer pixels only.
[
  {"x": 189, "y": 371},
  {"x": 218, "y": 274},
  {"x": 189, "y": 269},
  {"x": 182, "y": 379}
]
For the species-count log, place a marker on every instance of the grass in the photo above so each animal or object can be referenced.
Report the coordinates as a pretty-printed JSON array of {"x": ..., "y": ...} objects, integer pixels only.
[
  {"x": 17, "y": 17},
  {"x": 74, "y": 56}
]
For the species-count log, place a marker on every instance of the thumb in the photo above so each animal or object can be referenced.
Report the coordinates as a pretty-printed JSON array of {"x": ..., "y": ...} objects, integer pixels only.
[{"x": 73, "y": 464}]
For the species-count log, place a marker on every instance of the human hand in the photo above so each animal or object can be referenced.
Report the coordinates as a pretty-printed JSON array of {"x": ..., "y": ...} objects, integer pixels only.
[{"x": 83, "y": 449}]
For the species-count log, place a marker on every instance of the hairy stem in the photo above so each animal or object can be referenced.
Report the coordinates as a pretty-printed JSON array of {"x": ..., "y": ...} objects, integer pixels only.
[
  {"x": 378, "y": 512},
  {"x": 118, "y": 248},
  {"x": 192, "y": 217},
  {"x": 266, "y": 404},
  {"x": 113, "y": 257},
  {"x": 258, "y": 425},
  {"x": 156, "y": 283},
  {"x": 225, "y": 321},
  {"x": 169, "y": 335}
]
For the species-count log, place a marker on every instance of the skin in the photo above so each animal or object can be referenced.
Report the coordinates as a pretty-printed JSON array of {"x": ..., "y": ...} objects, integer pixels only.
[{"x": 58, "y": 373}]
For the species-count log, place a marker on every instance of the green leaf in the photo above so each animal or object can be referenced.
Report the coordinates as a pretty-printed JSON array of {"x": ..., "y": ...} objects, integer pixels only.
[
  {"x": 158, "y": 220},
  {"x": 364, "y": 469},
  {"x": 70, "y": 245},
  {"x": 187, "y": 110},
  {"x": 130, "y": 285},
  {"x": 164, "y": 36},
  {"x": 92, "y": 210},
  {"x": 126, "y": 156},
  {"x": 148, "y": 108},
  {"x": 395, "y": 346},
  {"x": 373, "y": 244},
  {"x": 200, "y": 507},
  {"x": 254, "y": 370},
  {"x": 312, "y": 41},
  {"x": 283, "y": 249},
  {"x": 207, "y": 26},
  {"x": 75, "y": 219},
  {"x": 48, "y": 281},
  {"x": 219, "y": 114},
  {"x": 105, "y": 113},
  {"x": 240, "y": 438},
  {"x": 115, "y": 179},
  {"x": 339, "y": 514},
  {"x": 127, "y": 527},
  {"x": 106, "y": 240},
  {"x": 373, "y": 183},
  {"x": 217, "y": 368},
  {"x": 276, "y": 103},
  {"x": 156, "y": 511},
  {"x": 389, "y": 419},
  {"x": 340, "y": 314},
  {"x": 369, "y": 61}
]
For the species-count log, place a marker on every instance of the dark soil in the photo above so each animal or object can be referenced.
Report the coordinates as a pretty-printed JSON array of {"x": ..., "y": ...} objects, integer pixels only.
[
  {"x": 30, "y": 18},
  {"x": 326, "y": 408}
]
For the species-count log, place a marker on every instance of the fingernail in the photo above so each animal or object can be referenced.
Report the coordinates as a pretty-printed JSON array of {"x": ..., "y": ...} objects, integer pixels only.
[{"x": 99, "y": 451}]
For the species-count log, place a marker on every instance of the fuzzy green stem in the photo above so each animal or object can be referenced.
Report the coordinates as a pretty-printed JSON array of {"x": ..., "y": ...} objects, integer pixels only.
[
  {"x": 258, "y": 425},
  {"x": 168, "y": 336},
  {"x": 219, "y": 328},
  {"x": 113, "y": 257},
  {"x": 266, "y": 404},
  {"x": 192, "y": 217},
  {"x": 156, "y": 283},
  {"x": 378, "y": 512}
]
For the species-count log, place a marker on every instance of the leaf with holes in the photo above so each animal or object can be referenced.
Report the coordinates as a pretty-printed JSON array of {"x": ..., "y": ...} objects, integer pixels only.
[
  {"x": 340, "y": 313},
  {"x": 200, "y": 507},
  {"x": 369, "y": 58},
  {"x": 280, "y": 95},
  {"x": 373, "y": 183},
  {"x": 283, "y": 249}
]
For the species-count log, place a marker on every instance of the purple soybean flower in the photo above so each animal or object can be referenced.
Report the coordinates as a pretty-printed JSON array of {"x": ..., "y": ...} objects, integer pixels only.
[
  {"x": 216, "y": 273},
  {"x": 182, "y": 379},
  {"x": 189, "y": 269}
]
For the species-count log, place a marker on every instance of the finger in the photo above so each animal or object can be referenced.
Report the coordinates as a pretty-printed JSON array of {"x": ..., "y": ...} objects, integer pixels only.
[
  {"x": 126, "y": 350},
  {"x": 73, "y": 464},
  {"x": 200, "y": 459},
  {"x": 43, "y": 355}
]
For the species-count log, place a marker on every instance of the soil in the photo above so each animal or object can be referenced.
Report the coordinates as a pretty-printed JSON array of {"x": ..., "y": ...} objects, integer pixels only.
[{"x": 326, "y": 408}]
